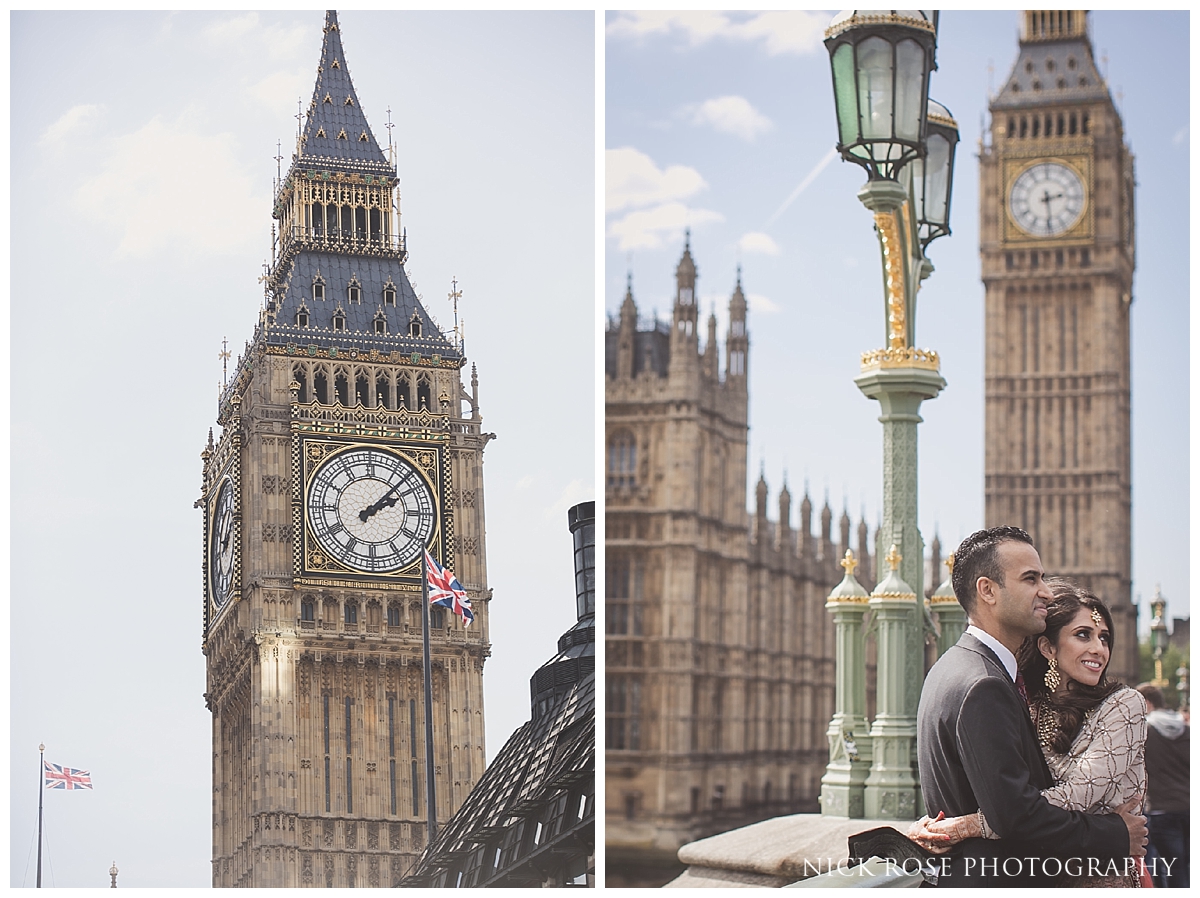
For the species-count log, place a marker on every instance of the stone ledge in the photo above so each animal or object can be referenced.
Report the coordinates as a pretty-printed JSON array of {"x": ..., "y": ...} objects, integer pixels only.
[{"x": 772, "y": 853}]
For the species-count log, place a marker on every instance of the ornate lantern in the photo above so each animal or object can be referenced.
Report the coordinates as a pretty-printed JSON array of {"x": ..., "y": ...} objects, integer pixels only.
[
  {"x": 881, "y": 62},
  {"x": 933, "y": 176}
]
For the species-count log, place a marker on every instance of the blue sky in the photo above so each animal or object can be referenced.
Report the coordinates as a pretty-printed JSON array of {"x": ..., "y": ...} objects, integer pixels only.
[
  {"x": 142, "y": 175},
  {"x": 725, "y": 122}
]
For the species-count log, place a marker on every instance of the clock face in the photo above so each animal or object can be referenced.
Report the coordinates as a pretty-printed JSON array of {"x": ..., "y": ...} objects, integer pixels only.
[
  {"x": 371, "y": 510},
  {"x": 222, "y": 549},
  {"x": 1047, "y": 199}
]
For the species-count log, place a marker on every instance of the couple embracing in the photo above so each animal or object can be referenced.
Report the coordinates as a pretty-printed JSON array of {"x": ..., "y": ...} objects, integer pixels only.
[{"x": 1031, "y": 760}]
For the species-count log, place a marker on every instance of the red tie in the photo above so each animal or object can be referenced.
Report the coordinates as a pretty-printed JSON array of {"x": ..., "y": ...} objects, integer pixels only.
[{"x": 1021, "y": 688}]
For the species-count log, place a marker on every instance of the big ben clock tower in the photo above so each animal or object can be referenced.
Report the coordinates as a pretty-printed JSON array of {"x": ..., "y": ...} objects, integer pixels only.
[
  {"x": 1057, "y": 247},
  {"x": 347, "y": 445}
]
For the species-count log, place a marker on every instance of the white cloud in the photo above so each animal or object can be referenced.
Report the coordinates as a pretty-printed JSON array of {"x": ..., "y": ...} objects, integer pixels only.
[
  {"x": 656, "y": 227},
  {"x": 279, "y": 90},
  {"x": 231, "y": 29},
  {"x": 731, "y": 115},
  {"x": 796, "y": 32},
  {"x": 246, "y": 32},
  {"x": 697, "y": 27},
  {"x": 573, "y": 493},
  {"x": 74, "y": 119},
  {"x": 174, "y": 159},
  {"x": 758, "y": 242},
  {"x": 761, "y": 305},
  {"x": 632, "y": 179}
]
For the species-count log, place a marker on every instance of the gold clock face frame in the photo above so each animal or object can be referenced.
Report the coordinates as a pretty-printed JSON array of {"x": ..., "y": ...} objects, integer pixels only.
[
  {"x": 1047, "y": 198},
  {"x": 369, "y": 509}
]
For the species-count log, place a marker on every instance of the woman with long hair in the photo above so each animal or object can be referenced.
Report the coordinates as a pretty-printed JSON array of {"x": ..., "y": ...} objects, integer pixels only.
[{"x": 1092, "y": 730}]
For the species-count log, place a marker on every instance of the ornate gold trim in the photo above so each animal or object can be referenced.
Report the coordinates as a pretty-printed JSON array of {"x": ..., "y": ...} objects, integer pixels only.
[
  {"x": 890, "y": 19},
  {"x": 893, "y": 268},
  {"x": 943, "y": 600},
  {"x": 848, "y": 600},
  {"x": 907, "y": 357}
]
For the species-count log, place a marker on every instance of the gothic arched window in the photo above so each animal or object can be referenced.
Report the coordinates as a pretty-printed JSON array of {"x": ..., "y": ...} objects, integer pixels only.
[{"x": 622, "y": 460}]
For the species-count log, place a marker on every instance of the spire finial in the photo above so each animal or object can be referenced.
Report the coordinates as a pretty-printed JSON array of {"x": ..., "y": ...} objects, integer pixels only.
[
  {"x": 390, "y": 125},
  {"x": 455, "y": 296},
  {"x": 949, "y": 562},
  {"x": 893, "y": 557},
  {"x": 224, "y": 357},
  {"x": 629, "y": 281},
  {"x": 739, "y": 276},
  {"x": 849, "y": 563},
  {"x": 687, "y": 239}
]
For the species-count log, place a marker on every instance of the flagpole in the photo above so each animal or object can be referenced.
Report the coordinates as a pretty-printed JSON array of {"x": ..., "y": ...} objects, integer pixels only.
[
  {"x": 430, "y": 795},
  {"x": 41, "y": 790}
]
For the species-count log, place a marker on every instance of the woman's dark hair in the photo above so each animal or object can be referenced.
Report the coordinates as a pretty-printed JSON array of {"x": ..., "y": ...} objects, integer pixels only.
[{"x": 1079, "y": 698}]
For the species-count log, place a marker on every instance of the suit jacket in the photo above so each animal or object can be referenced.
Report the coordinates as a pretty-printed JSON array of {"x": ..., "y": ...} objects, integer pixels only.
[{"x": 977, "y": 750}]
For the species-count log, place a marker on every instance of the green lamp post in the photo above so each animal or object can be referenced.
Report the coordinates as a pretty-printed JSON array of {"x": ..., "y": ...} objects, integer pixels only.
[{"x": 881, "y": 62}]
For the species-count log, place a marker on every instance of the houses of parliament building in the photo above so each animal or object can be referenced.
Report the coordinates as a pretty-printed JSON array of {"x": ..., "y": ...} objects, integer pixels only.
[{"x": 719, "y": 652}]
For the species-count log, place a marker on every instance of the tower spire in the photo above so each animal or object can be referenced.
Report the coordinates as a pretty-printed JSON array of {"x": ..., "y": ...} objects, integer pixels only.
[{"x": 336, "y": 130}]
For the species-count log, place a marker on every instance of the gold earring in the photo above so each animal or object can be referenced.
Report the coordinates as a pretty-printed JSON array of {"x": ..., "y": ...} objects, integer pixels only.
[{"x": 1052, "y": 679}]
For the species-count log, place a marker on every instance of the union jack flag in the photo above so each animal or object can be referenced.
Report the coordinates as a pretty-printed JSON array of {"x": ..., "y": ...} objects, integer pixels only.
[
  {"x": 446, "y": 591},
  {"x": 59, "y": 777}
]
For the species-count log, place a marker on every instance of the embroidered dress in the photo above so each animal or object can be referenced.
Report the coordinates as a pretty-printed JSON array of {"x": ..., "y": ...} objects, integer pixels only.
[{"x": 1104, "y": 768}]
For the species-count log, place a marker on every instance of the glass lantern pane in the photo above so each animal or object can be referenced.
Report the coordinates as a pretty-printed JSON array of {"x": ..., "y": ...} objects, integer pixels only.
[
  {"x": 916, "y": 170},
  {"x": 844, "y": 91},
  {"x": 875, "y": 87},
  {"x": 910, "y": 84},
  {"x": 937, "y": 178}
]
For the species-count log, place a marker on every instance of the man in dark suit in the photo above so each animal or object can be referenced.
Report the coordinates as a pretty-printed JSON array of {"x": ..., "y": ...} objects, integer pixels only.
[{"x": 976, "y": 745}]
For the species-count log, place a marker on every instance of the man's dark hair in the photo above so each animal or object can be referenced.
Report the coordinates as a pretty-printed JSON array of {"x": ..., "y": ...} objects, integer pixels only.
[
  {"x": 976, "y": 557},
  {"x": 1153, "y": 696}
]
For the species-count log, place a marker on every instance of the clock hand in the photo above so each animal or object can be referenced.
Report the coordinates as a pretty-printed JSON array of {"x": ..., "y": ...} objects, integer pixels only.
[{"x": 387, "y": 500}]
